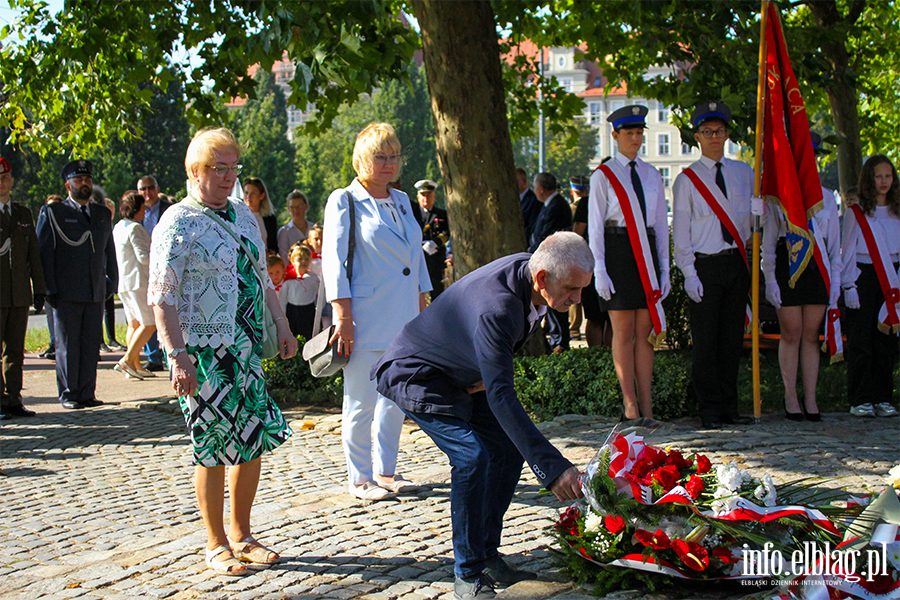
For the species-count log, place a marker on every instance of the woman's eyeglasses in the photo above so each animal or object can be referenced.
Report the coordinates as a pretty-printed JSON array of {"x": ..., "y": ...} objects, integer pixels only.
[
  {"x": 393, "y": 159},
  {"x": 222, "y": 171}
]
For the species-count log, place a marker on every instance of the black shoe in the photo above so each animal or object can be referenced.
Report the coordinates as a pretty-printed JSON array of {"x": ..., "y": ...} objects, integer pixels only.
[
  {"x": 736, "y": 420},
  {"x": 50, "y": 355},
  {"x": 473, "y": 588},
  {"x": 710, "y": 423},
  {"x": 4, "y": 416},
  {"x": 71, "y": 404},
  {"x": 814, "y": 417},
  {"x": 19, "y": 411},
  {"x": 154, "y": 367},
  {"x": 500, "y": 572},
  {"x": 92, "y": 403}
]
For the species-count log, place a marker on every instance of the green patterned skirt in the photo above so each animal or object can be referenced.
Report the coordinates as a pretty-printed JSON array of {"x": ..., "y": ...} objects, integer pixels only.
[{"x": 232, "y": 418}]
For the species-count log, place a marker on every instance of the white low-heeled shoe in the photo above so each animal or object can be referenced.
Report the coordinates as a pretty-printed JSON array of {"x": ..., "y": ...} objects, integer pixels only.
[{"x": 370, "y": 491}]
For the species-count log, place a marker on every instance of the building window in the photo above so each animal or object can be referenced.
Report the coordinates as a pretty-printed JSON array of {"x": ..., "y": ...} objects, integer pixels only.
[
  {"x": 686, "y": 149},
  {"x": 615, "y": 105},
  {"x": 596, "y": 109},
  {"x": 644, "y": 147},
  {"x": 561, "y": 61},
  {"x": 566, "y": 83},
  {"x": 733, "y": 148},
  {"x": 663, "y": 144},
  {"x": 613, "y": 145},
  {"x": 664, "y": 171},
  {"x": 662, "y": 114}
]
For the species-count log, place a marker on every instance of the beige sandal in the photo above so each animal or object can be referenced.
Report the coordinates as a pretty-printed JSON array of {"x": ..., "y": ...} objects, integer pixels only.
[
  {"x": 228, "y": 566},
  {"x": 257, "y": 554}
]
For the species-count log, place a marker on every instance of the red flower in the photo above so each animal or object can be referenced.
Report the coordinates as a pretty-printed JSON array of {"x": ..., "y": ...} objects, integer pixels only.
[
  {"x": 694, "y": 486},
  {"x": 584, "y": 553},
  {"x": 568, "y": 521},
  {"x": 666, "y": 476},
  {"x": 658, "y": 540},
  {"x": 703, "y": 464},
  {"x": 641, "y": 468},
  {"x": 880, "y": 584},
  {"x": 676, "y": 459},
  {"x": 691, "y": 554},
  {"x": 654, "y": 456},
  {"x": 614, "y": 524},
  {"x": 724, "y": 554}
]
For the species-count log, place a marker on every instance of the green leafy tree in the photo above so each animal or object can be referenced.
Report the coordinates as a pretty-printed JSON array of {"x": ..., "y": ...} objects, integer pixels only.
[
  {"x": 565, "y": 157},
  {"x": 261, "y": 127}
]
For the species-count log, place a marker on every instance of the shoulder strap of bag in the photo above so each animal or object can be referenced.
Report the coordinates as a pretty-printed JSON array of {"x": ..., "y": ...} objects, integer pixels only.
[{"x": 351, "y": 245}]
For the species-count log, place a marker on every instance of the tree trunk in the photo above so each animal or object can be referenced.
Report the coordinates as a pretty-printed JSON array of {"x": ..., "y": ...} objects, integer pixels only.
[
  {"x": 462, "y": 66},
  {"x": 841, "y": 88}
]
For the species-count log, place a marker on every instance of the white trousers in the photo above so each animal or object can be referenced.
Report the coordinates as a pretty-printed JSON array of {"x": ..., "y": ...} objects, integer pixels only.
[{"x": 371, "y": 424}]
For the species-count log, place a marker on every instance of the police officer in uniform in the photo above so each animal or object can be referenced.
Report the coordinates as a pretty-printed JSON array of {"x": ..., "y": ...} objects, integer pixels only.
[
  {"x": 435, "y": 234},
  {"x": 21, "y": 285},
  {"x": 715, "y": 274},
  {"x": 79, "y": 259}
]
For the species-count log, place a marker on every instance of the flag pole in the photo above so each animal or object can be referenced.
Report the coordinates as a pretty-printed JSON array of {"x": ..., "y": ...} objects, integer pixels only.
[{"x": 754, "y": 275}]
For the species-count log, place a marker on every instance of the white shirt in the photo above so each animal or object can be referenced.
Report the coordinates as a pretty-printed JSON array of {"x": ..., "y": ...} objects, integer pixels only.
[
  {"x": 825, "y": 223},
  {"x": 695, "y": 227},
  {"x": 299, "y": 292},
  {"x": 288, "y": 235},
  {"x": 76, "y": 206},
  {"x": 854, "y": 245},
  {"x": 604, "y": 208}
]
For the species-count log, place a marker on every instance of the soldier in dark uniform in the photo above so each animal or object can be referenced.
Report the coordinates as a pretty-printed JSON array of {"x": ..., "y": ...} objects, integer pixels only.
[
  {"x": 79, "y": 261},
  {"x": 435, "y": 234},
  {"x": 21, "y": 285}
]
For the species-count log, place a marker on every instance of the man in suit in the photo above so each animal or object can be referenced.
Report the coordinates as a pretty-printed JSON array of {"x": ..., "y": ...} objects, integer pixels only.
[
  {"x": 555, "y": 216},
  {"x": 451, "y": 371},
  {"x": 21, "y": 285},
  {"x": 79, "y": 259},
  {"x": 153, "y": 212},
  {"x": 531, "y": 206},
  {"x": 435, "y": 234}
]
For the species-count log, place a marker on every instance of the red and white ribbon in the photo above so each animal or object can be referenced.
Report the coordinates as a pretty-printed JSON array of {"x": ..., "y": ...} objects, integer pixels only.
[
  {"x": 888, "y": 319},
  {"x": 640, "y": 245}
]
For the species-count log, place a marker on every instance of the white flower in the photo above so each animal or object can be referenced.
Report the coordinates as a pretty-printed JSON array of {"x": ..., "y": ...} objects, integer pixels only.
[
  {"x": 593, "y": 522},
  {"x": 893, "y": 554},
  {"x": 765, "y": 491},
  {"x": 893, "y": 477}
]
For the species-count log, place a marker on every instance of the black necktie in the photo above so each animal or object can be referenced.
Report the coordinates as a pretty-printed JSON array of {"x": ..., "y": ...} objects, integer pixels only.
[
  {"x": 720, "y": 181},
  {"x": 638, "y": 189},
  {"x": 84, "y": 211},
  {"x": 5, "y": 220}
]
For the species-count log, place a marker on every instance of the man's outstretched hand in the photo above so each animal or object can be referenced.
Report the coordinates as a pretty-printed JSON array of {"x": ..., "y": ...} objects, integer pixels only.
[{"x": 568, "y": 485}]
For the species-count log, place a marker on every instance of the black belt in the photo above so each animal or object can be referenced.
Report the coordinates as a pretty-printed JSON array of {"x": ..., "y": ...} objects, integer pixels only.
[
  {"x": 724, "y": 252},
  {"x": 624, "y": 231}
]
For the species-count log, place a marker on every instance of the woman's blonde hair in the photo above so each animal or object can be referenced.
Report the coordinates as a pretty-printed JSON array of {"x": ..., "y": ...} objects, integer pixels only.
[
  {"x": 370, "y": 141},
  {"x": 202, "y": 149},
  {"x": 265, "y": 206},
  {"x": 299, "y": 249}
]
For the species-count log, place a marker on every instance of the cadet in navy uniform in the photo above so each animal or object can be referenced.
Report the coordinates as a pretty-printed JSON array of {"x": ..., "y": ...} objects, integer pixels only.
[
  {"x": 451, "y": 371},
  {"x": 623, "y": 186},
  {"x": 20, "y": 275},
  {"x": 79, "y": 260},
  {"x": 716, "y": 277},
  {"x": 435, "y": 234}
]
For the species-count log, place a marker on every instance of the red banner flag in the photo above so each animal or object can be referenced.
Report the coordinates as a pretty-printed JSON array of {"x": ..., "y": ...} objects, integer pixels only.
[{"x": 790, "y": 178}]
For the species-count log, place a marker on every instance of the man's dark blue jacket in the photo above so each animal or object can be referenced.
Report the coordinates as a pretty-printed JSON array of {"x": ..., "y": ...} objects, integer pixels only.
[{"x": 468, "y": 335}]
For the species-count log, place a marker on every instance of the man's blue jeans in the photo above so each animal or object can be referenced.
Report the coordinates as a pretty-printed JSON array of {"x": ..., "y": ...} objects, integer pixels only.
[
  {"x": 486, "y": 467},
  {"x": 153, "y": 351}
]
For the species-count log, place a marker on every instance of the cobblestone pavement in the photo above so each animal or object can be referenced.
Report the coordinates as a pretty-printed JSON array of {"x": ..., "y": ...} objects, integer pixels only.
[{"x": 100, "y": 504}]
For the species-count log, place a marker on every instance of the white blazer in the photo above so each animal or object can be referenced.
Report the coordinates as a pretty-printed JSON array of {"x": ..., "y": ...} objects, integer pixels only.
[
  {"x": 389, "y": 269},
  {"x": 132, "y": 243}
]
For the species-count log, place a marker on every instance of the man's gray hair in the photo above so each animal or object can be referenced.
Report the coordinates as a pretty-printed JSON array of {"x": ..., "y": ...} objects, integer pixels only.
[
  {"x": 148, "y": 178},
  {"x": 560, "y": 253}
]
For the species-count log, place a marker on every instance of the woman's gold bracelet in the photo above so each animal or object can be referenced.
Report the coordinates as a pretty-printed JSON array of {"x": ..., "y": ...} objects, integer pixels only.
[
  {"x": 344, "y": 318},
  {"x": 281, "y": 319}
]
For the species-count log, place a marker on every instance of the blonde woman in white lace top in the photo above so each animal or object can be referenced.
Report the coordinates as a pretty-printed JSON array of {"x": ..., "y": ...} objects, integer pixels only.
[{"x": 208, "y": 303}]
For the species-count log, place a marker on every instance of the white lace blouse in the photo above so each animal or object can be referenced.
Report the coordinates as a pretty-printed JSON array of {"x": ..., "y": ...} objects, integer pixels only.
[{"x": 193, "y": 266}]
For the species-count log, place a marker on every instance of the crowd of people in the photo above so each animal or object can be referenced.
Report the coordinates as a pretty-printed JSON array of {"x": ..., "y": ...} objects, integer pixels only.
[
  {"x": 201, "y": 276},
  {"x": 621, "y": 212}
]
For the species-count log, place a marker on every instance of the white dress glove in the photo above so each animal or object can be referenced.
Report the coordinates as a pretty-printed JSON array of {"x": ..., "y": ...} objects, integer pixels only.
[
  {"x": 429, "y": 247},
  {"x": 665, "y": 285},
  {"x": 851, "y": 298},
  {"x": 834, "y": 293},
  {"x": 757, "y": 206},
  {"x": 694, "y": 288},
  {"x": 605, "y": 286},
  {"x": 773, "y": 293}
]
